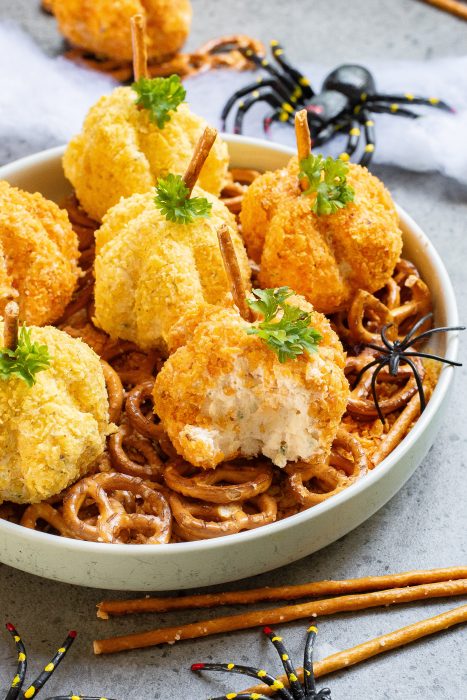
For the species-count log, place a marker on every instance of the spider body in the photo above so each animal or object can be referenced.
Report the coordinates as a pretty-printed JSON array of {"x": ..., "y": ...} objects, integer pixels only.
[
  {"x": 295, "y": 689},
  {"x": 15, "y": 692},
  {"x": 392, "y": 354},
  {"x": 345, "y": 103}
]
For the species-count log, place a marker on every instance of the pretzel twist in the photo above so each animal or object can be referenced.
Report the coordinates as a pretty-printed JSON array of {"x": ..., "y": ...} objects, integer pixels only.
[
  {"x": 200, "y": 521},
  {"x": 151, "y": 525},
  {"x": 365, "y": 305},
  {"x": 50, "y": 515},
  {"x": 242, "y": 482},
  {"x": 331, "y": 478},
  {"x": 114, "y": 391},
  {"x": 125, "y": 439}
]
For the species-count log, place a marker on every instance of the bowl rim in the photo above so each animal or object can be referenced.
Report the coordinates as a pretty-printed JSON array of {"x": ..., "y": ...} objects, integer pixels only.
[{"x": 271, "y": 529}]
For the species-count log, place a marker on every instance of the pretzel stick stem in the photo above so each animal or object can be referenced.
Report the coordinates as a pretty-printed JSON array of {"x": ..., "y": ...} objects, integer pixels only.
[
  {"x": 10, "y": 325},
  {"x": 233, "y": 271},
  {"x": 454, "y": 7},
  {"x": 274, "y": 616},
  {"x": 302, "y": 136},
  {"x": 198, "y": 159},
  {"x": 315, "y": 588},
  {"x": 387, "y": 642},
  {"x": 138, "y": 41}
]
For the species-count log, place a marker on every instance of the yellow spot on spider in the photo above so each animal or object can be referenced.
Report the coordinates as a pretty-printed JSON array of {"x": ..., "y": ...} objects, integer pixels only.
[
  {"x": 230, "y": 666},
  {"x": 50, "y": 667},
  {"x": 369, "y": 148},
  {"x": 264, "y": 62},
  {"x": 308, "y": 673},
  {"x": 277, "y": 685},
  {"x": 231, "y": 696},
  {"x": 261, "y": 673},
  {"x": 255, "y": 93},
  {"x": 313, "y": 629},
  {"x": 283, "y": 117},
  {"x": 304, "y": 81},
  {"x": 277, "y": 639},
  {"x": 363, "y": 96},
  {"x": 433, "y": 100},
  {"x": 278, "y": 52},
  {"x": 293, "y": 678},
  {"x": 285, "y": 657},
  {"x": 409, "y": 95},
  {"x": 15, "y": 681},
  {"x": 255, "y": 696},
  {"x": 21, "y": 656},
  {"x": 286, "y": 107},
  {"x": 344, "y": 156},
  {"x": 249, "y": 52},
  {"x": 370, "y": 122},
  {"x": 241, "y": 104},
  {"x": 259, "y": 80},
  {"x": 394, "y": 107},
  {"x": 31, "y": 691},
  {"x": 75, "y": 697},
  {"x": 357, "y": 109},
  {"x": 16, "y": 638},
  {"x": 274, "y": 42},
  {"x": 62, "y": 650},
  {"x": 354, "y": 132}
]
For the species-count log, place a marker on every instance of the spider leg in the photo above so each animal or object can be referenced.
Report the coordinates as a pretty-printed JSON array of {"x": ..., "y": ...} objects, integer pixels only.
[
  {"x": 247, "y": 671},
  {"x": 326, "y": 133},
  {"x": 308, "y": 675},
  {"x": 405, "y": 343},
  {"x": 353, "y": 140},
  {"x": 268, "y": 120},
  {"x": 251, "y": 87},
  {"x": 368, "y": 125},
  {"x": 394, "y": 108},
  {"x": 384, "y": 337},
  {"x": 419, "y": 382},
  {"x": 408, "y": 98},
  {"x": 383, "y": 362},
  {"x": 433, "y": 357},
  {"x": 270, "y": 97},
  {"x": 239, "y": 696},
  {"x": 77, "y": 697},
  {"x": 364, "y": 369},
  {"x": 262, "y": 62},
  {"x": 44, "y": 676},
  {"x": 294, "y": 683},
  {"x": 303, "y": 90},
  {"x": 431, "y": 332},
  {"x": 18, "y": 680}
]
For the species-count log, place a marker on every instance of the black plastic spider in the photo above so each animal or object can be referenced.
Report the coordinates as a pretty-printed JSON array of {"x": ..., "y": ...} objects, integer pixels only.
[
  {"x": 295, "y": 691},
  {"x": 20, "y": 676},
  {"x": 392, "y": 354},
  {"x": 348, "y": 97}
]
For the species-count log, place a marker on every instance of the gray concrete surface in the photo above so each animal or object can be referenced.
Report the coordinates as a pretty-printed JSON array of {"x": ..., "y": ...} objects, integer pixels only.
[{"x": 423, "y": 526}]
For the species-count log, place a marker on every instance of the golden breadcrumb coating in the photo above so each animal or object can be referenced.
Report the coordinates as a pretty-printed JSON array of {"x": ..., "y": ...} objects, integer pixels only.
[
  {"x": 51, "y": 433},
  {"x": 38, "y": 255},
  {"x": 103, "y": 26},
  {"x": 224, "y": 394},
  {"x": 120, "y": 152},
  {"x": 260, "y": 202},
  {"x": 328, "y": 258},
  {"x": 149, "y": 271}
]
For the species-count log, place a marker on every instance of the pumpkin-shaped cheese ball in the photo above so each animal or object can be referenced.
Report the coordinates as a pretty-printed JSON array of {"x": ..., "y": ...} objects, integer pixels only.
[
  {"x": 124, "y": 147},
  {"x": 225, "y": 394},
  {"x": 38, "y": 255},
  {"x": 339, "y": 235},
  {"x": 51, "y": 432},
  {"x": 103, "y": 26}
]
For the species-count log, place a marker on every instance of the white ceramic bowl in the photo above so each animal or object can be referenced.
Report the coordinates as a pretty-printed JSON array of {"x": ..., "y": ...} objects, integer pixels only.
[{"x": 185, "y": 565}]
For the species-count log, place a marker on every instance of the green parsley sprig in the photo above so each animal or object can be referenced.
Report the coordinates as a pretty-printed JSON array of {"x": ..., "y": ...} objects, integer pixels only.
[
  {"x": 174, "y": 201},
  {"x": 328, "y": 179},
  {"x": 160, "y": 96},
  {"x": 26, "y": 360},
  {"x": 289, "y": 335}
]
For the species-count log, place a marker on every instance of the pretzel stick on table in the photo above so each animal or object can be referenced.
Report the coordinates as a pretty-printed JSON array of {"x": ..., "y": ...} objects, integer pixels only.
[
  {"x": 138, "y": 41},
  {"x": 274, "y": 616},
  {"x": 233, "y": 271},
  {"x": 201, "y": 152},
  {"x": 315, "y": 588},
  {"x": 454, "y": 7},
  {"x": 387, "y": 642}
]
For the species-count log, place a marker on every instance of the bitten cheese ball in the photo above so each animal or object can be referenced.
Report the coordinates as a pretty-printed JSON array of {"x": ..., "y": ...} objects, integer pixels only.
[
  {"x": 149, "y": 271},
  {"x": 224, "y": 394},
  {"x": 120, "y": 152},
  {"x": 103, "y": 26},
  {"x": 325, "y": 258},
  {"x": 52, "y": 432},
  {"x": 38, "y": 255}
]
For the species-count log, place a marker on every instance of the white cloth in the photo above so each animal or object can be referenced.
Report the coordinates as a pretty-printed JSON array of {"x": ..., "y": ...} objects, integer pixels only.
[{"x": 43, "y": 101}]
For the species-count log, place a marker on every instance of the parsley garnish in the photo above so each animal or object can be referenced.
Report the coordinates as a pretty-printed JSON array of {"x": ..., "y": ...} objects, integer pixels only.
[
  {"x": 159, "y": 96},
  {"x": 174, "y": 201},
  {"x": 289, "y": 336},
  {"x": 328, "y": 179},
  {"x": 25, "y": 360}
]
